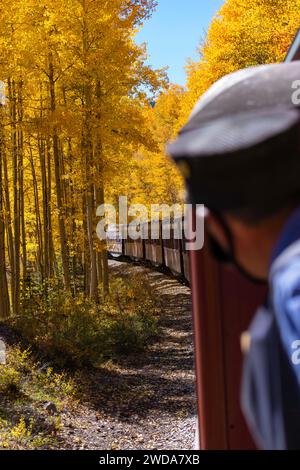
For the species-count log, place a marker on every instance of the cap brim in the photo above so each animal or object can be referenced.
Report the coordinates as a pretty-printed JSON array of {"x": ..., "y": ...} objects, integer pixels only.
[{"x": 241, "y": 160}]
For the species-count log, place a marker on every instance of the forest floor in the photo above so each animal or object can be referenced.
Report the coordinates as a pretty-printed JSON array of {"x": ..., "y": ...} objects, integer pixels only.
[{"x": 144, "y": 401}]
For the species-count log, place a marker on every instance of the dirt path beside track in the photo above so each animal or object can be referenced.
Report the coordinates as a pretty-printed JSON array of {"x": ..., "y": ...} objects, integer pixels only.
[{"x": 146, "y": 401}]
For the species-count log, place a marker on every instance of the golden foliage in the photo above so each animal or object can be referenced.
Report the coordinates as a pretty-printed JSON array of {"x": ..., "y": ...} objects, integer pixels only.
[{"x": 244, "y": 33}]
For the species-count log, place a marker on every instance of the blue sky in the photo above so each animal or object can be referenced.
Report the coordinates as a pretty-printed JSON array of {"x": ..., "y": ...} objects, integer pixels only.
[{"x": 174, "y": 33}]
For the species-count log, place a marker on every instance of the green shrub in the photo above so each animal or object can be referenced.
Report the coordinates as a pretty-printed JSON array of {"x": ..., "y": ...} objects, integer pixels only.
[{"x": 79, "y": 331}]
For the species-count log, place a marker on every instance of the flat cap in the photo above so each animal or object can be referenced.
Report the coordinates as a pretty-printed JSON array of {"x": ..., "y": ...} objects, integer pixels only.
[{"x": 241, "y": 145}]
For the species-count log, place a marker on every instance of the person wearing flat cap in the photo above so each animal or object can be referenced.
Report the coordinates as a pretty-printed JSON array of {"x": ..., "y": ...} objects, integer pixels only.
[{"x": 240, "y": 155}]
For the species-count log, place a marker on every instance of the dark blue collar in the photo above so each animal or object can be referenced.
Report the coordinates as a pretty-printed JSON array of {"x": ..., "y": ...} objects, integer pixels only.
[{"x": 289, "y": 234}]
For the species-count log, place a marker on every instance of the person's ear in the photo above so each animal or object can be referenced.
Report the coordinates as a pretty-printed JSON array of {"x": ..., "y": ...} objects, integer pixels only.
[
  {"x": 239, "y": 228},
  {"x": 216, "y": 230}
]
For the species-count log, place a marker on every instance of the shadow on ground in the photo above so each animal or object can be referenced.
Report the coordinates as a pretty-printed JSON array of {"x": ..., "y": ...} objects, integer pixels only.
[{"x": 160, "y": 379}]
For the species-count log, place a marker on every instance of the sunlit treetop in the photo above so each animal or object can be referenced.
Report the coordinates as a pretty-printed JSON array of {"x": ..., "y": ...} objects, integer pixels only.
[{"x": 244, "y": 33}]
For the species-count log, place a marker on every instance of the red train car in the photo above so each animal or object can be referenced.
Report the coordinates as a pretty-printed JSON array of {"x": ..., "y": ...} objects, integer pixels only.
[
  {"x": 223, "y": 305},
  {"x": 154, "y": 245}
]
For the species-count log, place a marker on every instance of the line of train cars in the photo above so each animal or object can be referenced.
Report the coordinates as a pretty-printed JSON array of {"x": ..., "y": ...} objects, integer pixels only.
[{"x": 160, "y": 243}]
